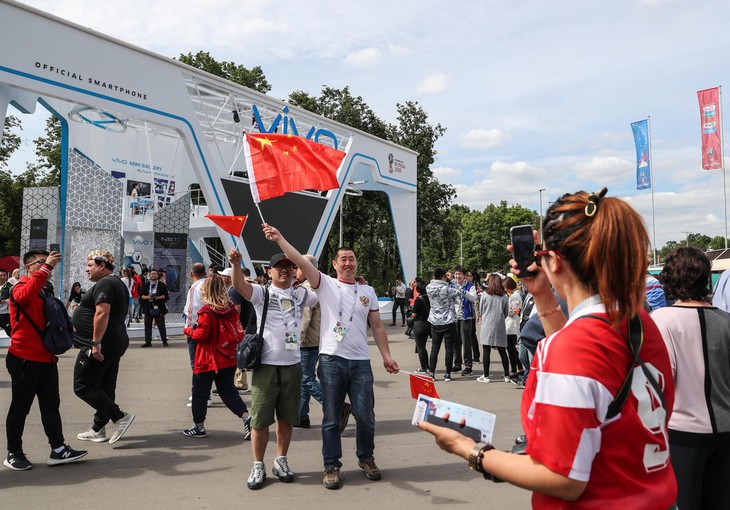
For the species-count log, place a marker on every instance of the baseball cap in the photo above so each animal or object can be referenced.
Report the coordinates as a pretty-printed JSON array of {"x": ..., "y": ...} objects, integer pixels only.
[
  {"x": 280, "y": 257},
  {"x": 226, "y": 272}
]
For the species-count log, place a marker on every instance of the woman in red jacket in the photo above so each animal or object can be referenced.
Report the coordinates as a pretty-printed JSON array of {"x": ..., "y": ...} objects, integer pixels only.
[{"x": 218, "y": 334}]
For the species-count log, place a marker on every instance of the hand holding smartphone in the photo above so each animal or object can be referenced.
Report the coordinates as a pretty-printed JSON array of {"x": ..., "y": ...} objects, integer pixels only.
[{"x": 523, "y": 248}]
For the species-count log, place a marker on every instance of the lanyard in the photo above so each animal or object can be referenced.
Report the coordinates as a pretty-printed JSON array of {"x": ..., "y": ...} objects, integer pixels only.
[
  {"x": 285, "y": 317},
  {"x": 354, "y": 303}
]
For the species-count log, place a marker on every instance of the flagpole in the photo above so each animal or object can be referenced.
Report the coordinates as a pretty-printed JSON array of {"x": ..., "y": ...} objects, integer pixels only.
[
  {"x": 722, "y": 148},
  {"x": 260, "y": 215},
  {"x": 651, "y": 183}
]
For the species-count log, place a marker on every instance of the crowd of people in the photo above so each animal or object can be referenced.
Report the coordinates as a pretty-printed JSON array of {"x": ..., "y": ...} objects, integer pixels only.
[{"x": 626, "y": 399}]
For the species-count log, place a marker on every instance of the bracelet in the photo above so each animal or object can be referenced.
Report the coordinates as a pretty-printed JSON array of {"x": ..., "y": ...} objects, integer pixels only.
[
  {"x": 552, "y": 310},
  {"x": 475, "y": 459}
]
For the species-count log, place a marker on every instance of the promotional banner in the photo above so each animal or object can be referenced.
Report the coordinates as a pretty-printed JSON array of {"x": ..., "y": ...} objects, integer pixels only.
[
  {"x": 643, "y": 156},
  {"x": 171, "y": 251},
  {"x": 711, "y": 128}
]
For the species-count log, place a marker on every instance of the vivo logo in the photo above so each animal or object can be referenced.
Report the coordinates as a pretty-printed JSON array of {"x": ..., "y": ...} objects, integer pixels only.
[{"x": 289, "y": 126}]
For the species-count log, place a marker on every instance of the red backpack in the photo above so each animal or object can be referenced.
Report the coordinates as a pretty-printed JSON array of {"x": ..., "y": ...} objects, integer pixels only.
[{"x": 230, "y": 334}]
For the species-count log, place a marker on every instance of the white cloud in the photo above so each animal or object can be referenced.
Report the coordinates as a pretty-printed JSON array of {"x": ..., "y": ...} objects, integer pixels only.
[
  {"x": 446, "y": 174},
  {"x": 434, "y": 84},
  {"x": 605, "y": 170},
  {"x": 367, "y": 57},
  {"x": 517, "y": 183},
  {"x": 483, "y": 138}
]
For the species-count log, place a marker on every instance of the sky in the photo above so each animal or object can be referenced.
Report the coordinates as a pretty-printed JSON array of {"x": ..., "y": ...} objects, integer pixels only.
[{"x": 533, "y": 94}]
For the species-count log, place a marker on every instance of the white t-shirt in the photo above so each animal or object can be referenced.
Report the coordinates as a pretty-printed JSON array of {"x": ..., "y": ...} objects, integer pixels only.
[
  {"x": 336, "y": 296},
  {"x": 286, "y": 307}
]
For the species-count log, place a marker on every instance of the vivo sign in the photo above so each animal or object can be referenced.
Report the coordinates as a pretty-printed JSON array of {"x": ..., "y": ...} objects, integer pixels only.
[{"x": 291, "y": 127}]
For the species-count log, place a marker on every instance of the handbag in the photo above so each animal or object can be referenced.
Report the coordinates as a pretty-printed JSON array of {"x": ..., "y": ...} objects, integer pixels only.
[
  {"x": 154, "y": 311},
  {"x": 249, "y": 351}
]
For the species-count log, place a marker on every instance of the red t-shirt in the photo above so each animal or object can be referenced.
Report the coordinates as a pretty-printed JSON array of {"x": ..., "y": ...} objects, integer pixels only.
[
  {"x": 136, "y": 282},
  {"x": 575, "y": 375}
]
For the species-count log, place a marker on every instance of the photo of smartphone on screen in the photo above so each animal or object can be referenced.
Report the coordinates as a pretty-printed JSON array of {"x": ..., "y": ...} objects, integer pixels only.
[
  {"x": 523, "y": 248},
  {"x": 55, "y": 247}
]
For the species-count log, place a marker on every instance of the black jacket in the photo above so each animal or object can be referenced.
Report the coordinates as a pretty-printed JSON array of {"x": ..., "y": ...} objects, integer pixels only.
[{"x": 161, "y": 297}]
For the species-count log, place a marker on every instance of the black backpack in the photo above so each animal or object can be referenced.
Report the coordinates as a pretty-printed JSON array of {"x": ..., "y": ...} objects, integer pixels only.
[{"x": 58, "y": 335}]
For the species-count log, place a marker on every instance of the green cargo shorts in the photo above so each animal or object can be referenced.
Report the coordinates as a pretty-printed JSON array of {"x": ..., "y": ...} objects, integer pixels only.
[{"x": 275, "y": 389}]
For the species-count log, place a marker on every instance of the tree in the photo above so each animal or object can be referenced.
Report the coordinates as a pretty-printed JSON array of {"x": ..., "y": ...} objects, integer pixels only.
[
  {"x": 253, "y": 78},
  {"x": 11, "y": 206},
  {"x": 11, "y": 141},
  {"x": 48, "y": 149}
]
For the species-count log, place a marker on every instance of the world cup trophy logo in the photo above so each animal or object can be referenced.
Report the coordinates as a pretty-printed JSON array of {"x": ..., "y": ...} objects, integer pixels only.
[{"x": 390, "y": 163}]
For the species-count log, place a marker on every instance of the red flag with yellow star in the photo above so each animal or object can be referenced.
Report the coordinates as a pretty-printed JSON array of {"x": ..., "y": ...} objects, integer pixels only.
[
  {"x": 231, "y": 224},
  {"x": 278, "y": 164},
  {"x": 423, "y": 385}
]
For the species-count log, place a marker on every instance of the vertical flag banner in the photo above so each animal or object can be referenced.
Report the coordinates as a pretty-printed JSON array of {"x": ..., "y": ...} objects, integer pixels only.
[
  {"x": 643, "y": 156},
  {"x": 279, "y": 163},
  {"x": 711, "y": 128}
]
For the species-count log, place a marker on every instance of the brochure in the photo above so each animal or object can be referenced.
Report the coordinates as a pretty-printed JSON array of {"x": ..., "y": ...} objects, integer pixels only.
[{"x": 473, "y": 423}]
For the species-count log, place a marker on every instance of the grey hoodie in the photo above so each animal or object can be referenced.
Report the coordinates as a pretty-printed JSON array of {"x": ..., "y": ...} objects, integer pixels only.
[{"x": 443, "y": 299}]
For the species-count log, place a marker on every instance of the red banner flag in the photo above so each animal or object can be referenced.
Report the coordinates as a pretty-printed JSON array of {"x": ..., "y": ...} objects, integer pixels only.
[
  {"x": 278, "y": 164},
  {"x": 711, "y": 120},
  {"x": 231, "y": 224},
  {"x": 424, "y": 385}
]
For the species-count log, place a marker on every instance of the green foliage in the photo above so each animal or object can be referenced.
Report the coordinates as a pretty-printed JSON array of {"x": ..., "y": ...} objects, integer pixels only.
[
  {"x": 253, "y": 78},
  {"x": 11, "y": 206},
  {"x": 11, "y": 140},
  {"x": 48, "y": 150}
]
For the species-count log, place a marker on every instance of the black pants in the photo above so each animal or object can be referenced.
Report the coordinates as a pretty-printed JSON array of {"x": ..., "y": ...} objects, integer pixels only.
[
  {"x": 448, "y": 335},
  {"x": 28, "y": 380},
  {"x": 95, "y": 382},
  {"x": 476, "y": 347},
  {"x": 400, "y": 303},
  {"x": 5, "y": 322},
  {"x": 514, "y": 357},
  {"x": 466, "y": 331},
  {"x": 420, "y": 331},
  {"x": 702, "y": 475},
  {"x": 202, "y": 383},
  {"x": 160, "y": 321},
  {"x": 486, "y": 350}
]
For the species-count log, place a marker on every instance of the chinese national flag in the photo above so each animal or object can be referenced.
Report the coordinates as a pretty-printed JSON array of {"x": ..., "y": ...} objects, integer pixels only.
[
  {"x": 231, "y": 224},
  {"x": 424, "y": 385},
  {"x": 278, "y": 164}
]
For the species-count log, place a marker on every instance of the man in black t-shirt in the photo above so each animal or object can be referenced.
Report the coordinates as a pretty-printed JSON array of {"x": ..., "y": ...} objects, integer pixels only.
[{"x": 101, "y": 336}]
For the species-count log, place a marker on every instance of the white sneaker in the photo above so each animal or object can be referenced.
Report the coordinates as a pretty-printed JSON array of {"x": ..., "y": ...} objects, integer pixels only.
[
  {"x": 483, "y": 378},
  {"x": 257, "y": 476},
  {"x": 282, "y": 470},
  {"x": 93, "y": 436},
  {"x": 506, "y": 378},
  {"x": 190, "y": 403},
  {"x": 121, "y": 426}
]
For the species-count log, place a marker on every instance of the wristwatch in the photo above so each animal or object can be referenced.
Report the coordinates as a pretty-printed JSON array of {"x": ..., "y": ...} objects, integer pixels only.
[
  {"x": 476, "y": 456},
  {"x": 95, "y": 342}
]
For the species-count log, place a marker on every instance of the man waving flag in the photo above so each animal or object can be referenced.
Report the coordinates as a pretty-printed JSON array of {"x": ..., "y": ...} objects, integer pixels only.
[{"x": 279, "y": 163}]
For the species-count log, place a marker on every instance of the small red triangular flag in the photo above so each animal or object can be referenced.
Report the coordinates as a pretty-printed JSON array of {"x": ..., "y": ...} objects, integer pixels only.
[{"x": 231, "y": 224}]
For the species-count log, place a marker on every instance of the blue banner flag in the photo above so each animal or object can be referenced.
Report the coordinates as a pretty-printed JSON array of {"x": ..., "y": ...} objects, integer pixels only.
[{"x": 643, "y": 156}]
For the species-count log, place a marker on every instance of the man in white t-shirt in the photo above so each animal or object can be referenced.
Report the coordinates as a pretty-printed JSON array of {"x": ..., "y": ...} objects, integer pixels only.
[
  {"x": 276, "y": 384},
  {"x": 344, "y": 359}
]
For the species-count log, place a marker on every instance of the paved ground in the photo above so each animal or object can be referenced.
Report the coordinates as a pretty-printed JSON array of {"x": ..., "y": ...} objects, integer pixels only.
[{"x": 155, "y": 466}]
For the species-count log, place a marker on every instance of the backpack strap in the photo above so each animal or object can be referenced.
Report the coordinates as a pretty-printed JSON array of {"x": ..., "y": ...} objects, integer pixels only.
[
  {"x": 25, "y": 314},
  {"x": 636, "y": 342},
  {"x": 266, "y": 309}
]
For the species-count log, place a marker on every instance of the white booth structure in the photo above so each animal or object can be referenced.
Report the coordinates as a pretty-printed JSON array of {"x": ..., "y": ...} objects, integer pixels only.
[{"x": 144, "y": 136}]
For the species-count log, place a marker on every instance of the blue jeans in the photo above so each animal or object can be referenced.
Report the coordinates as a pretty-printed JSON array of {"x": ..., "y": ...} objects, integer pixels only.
[
  {"x": 526, "y": 360},
  {"x": 310, "y": 384},
  {"x": 340, "y": 377}
]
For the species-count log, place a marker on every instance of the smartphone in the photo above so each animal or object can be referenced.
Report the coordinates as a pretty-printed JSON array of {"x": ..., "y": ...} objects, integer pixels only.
[
  {"x": 523, "y": 248},
  {"x": 54, "y": 247},
  {"x": 466, "y": 430}
]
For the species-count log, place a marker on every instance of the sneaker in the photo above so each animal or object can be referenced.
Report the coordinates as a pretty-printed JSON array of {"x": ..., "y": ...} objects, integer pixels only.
[
  {"x": 195, "y": 431},
  {"x": 371, "y": 469},
  {"x": 430, "y": 374},
  {"x": 331, "y": 479},
  {"x": 506, "y": 378},
  {"x": 247, "y": 429},
  {"x": 146, "y": 345},
  {"x": 420, "y": 371},
  {"x": 345, "y": 417},
  {"x": 190, "y": 402},
  {"x": 65, "y": 456},
  {"x": 457, "y": 368},
  {"x": 93, "y": 436},
  {"x": 466, "y": 372},
  {"x": 257, "y": 476},
  {"x": 17, "y": 461},
  {"x": 304, "y": 423},
  {"x": 520, "y": 386},
  {"x": 483, "y": 378},
  {"x": 281, "y": 469},
  {"x": 447, "y": 377},
  {"x": 120, "y": 427}
]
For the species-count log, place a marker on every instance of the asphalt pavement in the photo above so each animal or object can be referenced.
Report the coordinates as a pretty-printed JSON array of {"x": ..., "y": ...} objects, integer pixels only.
[{"x": 154, "y": 466}]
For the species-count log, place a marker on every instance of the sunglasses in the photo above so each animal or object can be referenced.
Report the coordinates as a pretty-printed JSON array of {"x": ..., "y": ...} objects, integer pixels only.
[{"x": 282, "y": 267}]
